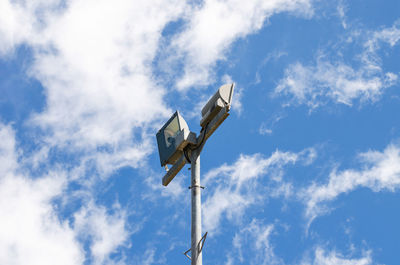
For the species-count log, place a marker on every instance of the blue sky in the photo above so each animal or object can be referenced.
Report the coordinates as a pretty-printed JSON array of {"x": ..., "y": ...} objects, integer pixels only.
[{"x": 305, "y": 170}]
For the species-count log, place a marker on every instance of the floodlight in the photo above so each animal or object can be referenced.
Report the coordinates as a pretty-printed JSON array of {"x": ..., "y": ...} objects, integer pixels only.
[
  {"x": 222, "y": 99},
  {"x": 172, "y": 138},
  {"x": 177, "y": 145}
]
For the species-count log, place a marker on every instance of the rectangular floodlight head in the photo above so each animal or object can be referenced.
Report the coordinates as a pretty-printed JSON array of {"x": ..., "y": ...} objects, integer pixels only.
[
  {"x": 172, "y": 138},
  {"x": 221, "y": 99}
]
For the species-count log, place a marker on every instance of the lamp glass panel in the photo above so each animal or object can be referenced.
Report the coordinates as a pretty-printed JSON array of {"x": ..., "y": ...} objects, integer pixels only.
[{"x": 171, "y": 131}]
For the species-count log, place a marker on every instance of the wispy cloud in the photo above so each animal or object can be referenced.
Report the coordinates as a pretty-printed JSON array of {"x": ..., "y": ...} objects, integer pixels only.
[
  {"x": 105, "y": 231},
  {"x": 324, "y": 257},
  {"x": 266, "y": 128},
  {"x": 341, "y": 10},
  {"x": 235, "y": 187},
  {"x": 257, "y": 235},
  {"x": 213, "y": 27},
  {"x": 341, "y": 82},
  {"x": 8, "y": 155},
  {"x": 379, "y": 171},
  {"x": 253, "y": 244}
]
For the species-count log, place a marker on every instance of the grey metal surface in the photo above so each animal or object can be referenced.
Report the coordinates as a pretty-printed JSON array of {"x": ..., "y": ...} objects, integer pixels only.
[
  {"x": 221, "y": 99},
  {"x": 174, "y": 170},
  {"x": 215, "y": 123},
  {"x": 172, "y": 139},
  {"x": 212, "y": 113},
  {"x": 197, "y": 258}
]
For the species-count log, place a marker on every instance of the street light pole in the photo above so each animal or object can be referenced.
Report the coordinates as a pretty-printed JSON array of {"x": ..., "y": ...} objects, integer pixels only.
[
  {"x": 196, "y": 208},
  {"x": 177, "y": 145}
]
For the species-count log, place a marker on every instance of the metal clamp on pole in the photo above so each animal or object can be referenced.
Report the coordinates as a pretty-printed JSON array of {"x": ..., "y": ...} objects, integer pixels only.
[{"x": 196, "y": 186}]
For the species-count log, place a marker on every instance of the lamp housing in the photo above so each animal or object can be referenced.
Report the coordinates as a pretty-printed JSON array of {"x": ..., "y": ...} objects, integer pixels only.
[
  {"x": 221, "y": 99},
  {"x": 172, "y": 138}
]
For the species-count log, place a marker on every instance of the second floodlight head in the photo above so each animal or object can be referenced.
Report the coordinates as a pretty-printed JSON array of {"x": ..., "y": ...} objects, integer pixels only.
[{"x": 221, "y": 99}]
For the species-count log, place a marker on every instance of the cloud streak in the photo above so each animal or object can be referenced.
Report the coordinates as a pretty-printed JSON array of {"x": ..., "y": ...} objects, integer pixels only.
[
  {"x": 213, "y": 26},
  {"x": 337, "y": 81},
  {"x": 236, "y": 187},
  {"x": 380, "y": 171},
  {"x": 333, "y": 258},
  {"x": 258, "y": 236}
]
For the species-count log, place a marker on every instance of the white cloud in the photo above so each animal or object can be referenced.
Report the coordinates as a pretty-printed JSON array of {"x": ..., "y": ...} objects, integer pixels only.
[
  {"x": 387, "y": 35},
  {"x": 338, "y": 81},
  {"x": 252, "y": 245},
  {"x": 266, "y": 127},
  {"x": 235, "y": 187},
  {"x": 375, "y": 42},
  {"x": 341, "y": 10},
  {"x": 96, "y": 67},
  {"x": 257, "y": 235},
  {"x": 148, "y": 257},
  {"x": 215, "y": 25},
  {"x": 21, "y": 21},
  {"x": 95, "y": 63},
  {"x": 263, "y": 130},
  {"x": 379, "y": 171},
  {"x": 15, "y": 25},
  {"x": 106, "y": 231},
  {"x": 174, "y": 191},
  {"x": 31, "y": 232},
  {"x": 8, "y": 156},
  {"x": 334, "y": 258},
  {"x": 315, "y": 85}
]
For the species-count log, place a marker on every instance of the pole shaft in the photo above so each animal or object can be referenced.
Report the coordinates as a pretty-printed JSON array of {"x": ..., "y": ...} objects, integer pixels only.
[{"x": 196, "y": 208}]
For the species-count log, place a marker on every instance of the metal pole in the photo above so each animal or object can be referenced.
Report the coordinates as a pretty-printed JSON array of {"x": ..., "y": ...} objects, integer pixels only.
[{"x": 196, "y": 207}]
